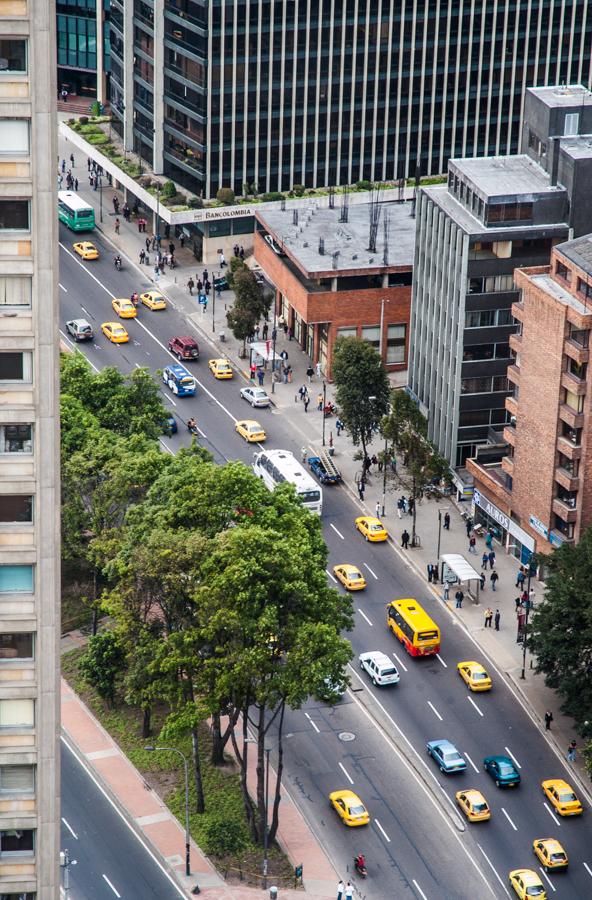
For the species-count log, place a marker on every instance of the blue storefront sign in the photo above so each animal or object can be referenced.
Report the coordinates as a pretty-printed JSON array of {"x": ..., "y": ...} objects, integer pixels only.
[{"x": 203, "y": 300}]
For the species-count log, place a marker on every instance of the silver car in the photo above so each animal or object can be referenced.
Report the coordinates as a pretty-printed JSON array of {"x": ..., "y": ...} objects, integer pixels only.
[
  {"x": 255, "y": 396},
  {"x": 80, "y": 329}
]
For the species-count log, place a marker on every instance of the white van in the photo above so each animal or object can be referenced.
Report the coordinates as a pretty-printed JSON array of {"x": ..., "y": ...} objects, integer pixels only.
[{"x": 379, "y": 667}]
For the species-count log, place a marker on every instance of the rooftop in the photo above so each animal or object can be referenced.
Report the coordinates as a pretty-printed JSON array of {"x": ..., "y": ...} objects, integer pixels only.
[
  {"x": 345, "y": 243},
  {"x": 579, "y": 251},
  {"x": 550, "y": 286},
  {"x": 566, "y": 95},
  {"x": 579, "y": 147},
  {"x": 502, "y": 176}
]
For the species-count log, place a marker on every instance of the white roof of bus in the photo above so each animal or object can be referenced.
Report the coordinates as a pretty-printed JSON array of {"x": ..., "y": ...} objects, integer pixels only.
[
  {"x": 73, "y": 200},
  {"x": 288, "y": 465}
]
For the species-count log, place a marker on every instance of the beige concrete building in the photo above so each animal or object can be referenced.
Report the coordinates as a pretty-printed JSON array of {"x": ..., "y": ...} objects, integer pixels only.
[{"x": 29, "y": 455}]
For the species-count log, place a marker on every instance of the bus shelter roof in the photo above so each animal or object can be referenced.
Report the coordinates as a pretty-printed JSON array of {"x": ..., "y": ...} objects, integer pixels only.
[{"x": 461, "y": 567}]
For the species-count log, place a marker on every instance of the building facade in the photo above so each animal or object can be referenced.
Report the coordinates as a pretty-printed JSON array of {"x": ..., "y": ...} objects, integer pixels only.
[
  {"x": 543, "y": 484},
  {"x": 83, "y": 35},
  {"x": 328, "y": 286},
  {"x": 29, "y": 455},
  {"x": 285, "y": 92}
]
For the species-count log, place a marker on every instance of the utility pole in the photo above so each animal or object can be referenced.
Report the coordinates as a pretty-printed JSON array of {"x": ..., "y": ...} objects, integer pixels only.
[
  {"x": 65, "y": 863},
  {"x": 324, "y": 405}
]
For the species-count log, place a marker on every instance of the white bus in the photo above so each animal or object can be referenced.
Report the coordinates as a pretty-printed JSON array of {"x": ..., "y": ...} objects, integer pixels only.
[{"x": 275, "y": 466}]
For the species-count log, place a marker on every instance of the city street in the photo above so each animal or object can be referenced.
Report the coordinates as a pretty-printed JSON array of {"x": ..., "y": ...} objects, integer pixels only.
[{"x": 418, "y": 843}]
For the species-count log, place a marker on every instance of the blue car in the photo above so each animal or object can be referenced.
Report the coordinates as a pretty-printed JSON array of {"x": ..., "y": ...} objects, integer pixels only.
[
  {"x": 502, "y": 770},
  {"x": 446, "y": 755}
]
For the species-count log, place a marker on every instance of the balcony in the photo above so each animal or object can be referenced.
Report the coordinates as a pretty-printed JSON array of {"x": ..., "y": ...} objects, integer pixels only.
[
  {"x": 516, "y": 343},
  {"x": 570, "y": 416},
  {"x": 508, "y": 465},
  {"x": 574, "y": 350},
  {"x": 513, "y": 374},
  {"x": 511, "y": 405},
  {"x": 573, "y": 384},
  {"x": 557, "y": 538},
  {"x": 510, "y": 434},
  {"x": 518, "y": 310},
  {"x": 564, "y": 510},
  {"x": 566, "y": 479},
  {"x": 568, "y": 448}
]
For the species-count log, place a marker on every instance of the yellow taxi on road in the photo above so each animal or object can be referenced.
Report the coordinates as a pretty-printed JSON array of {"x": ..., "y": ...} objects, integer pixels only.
[
  {"x": 115, "y": 332},
  {"x": 250, "y": 430},
  {"x": 349, "y": 808},
  {"x": 153, "y": 300},
  {"x": 125, "y": 309},
  {"x": 86, "y": 250},
  {"x": 527, "y": 884},
  {"x": 474, "y": 675},
  {"x": 474, "y": 805},
  {"x": 371, "y": 528},
  {"x": 562, "y": 796},
  {"x": 220, "y": 368},
  {"x": 350, "y": 577},
  {"x": 551, "y": 854}
]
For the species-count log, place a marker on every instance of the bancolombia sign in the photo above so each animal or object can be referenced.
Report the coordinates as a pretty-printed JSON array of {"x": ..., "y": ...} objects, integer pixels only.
[{"x": 233, "y": 212}]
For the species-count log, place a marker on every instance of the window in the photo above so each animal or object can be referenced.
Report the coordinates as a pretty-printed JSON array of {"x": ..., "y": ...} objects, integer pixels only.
[
  {"x": 16, "y": 366},
  {"x": 471, "y": 418},
  {"x": 15, "y": 290},
  {"x": 14, "y": 137},
  {"x": 573, "y": 435},
  {"x": 13, "y": 57},
  {"x": 17, "y": 779},
  {"x": 17, "y": 843},
  {"x": 578, "y": 370},
  {"x": 16, "y": 439},
  {"x": 347, "y": 332},
  {"x": 16, "y": 645},
  {"x": 574, "y": 402},
  {"x": 565, "y": 528},
  {"x": 371, "y": 334},
  {"x": 490, "y": 284},
  {"x": 508, "y": 212},
  {"x": 487, "y": 318},
  {"x": 484, "y": 385},
  {"x": 570, "y": 465},
  {"x": 14, "y": 215},
  {"x": 28, "y": 895},
  {"x": 570, "y": 498},
  {"x": 579, "y": 335},
  {"x": 16, "y": 579},
  {"x": 584, "y": 289},
  {"x": 395, "y": 344},
  {"x": 17, "y": 713},
  {"x": 16, "y": 508},
  {"x": 562, "y": 271},
  {"x": 572, "y": 121}
]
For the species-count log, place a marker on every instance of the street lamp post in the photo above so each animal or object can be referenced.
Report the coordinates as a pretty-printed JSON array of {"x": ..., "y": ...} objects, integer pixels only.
[
  {"x": 384, "y": 475},
  {"x": 443, "y": 509},
  {"x": 100, "y": 177},
  {"x": 214, "y": 302},
  {"x": 528, "y": 605},
  {"x": 157, "y": 223},
  {"x": 186, "y": 771},
  {"x": 65, "y": 863},
  {"x": 274, "y": 336},
  {"x": 267, "y": 751},
  {"x": 324, "y": 404}
]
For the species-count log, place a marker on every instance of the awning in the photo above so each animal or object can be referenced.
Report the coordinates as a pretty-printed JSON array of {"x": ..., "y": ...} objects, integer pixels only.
[
  {"x": 264, "y": 350},
  {"x": 461, "y": 567}
]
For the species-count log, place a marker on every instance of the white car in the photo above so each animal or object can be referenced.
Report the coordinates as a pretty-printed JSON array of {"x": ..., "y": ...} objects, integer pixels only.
[
  {"x": 255, "y": 396},
  {"x": 379, "y": 667}
]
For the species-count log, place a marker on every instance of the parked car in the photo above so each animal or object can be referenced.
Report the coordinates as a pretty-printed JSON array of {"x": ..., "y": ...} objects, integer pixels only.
[
  {"x": 80, "y": 329},
  {"x": 255, "y": 396}
]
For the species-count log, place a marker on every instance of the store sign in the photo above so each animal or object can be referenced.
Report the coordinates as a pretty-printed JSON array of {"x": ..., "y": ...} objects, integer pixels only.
[
  {"x": 538, "y": 526},
  {"x": 496, "y": 514},
  {"x": 224, "y": 212}
]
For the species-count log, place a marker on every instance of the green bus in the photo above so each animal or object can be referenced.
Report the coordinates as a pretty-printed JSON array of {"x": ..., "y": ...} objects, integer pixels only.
[{"x": 74, "y": 212}]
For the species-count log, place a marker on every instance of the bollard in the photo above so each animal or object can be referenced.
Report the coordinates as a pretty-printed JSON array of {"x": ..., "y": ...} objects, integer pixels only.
[{"x": 273, "y": 892}]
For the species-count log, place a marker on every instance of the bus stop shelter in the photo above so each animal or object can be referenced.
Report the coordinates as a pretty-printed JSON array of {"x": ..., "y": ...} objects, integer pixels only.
[{"x": 458, "y": 570}]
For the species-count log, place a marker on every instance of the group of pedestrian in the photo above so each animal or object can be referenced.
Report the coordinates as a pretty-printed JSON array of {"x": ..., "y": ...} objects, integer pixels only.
[
  {"x": 488, "y": 557},
  {"x": 404, "y": 505},
  {"x": 239, "y": 252},
  {"x": 432, "y": 573},
  {"x": 489, "y": 618},
  {"x": 345, "y": 892}
]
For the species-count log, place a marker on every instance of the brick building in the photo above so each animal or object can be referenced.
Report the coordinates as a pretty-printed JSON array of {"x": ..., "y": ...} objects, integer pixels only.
[
  {"x": 328, "y": 284},
  {"x": 542, "y": 488}
]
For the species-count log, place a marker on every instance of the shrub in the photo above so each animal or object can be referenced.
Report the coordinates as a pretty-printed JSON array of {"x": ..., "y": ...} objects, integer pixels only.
[
  {"x": 90, "y": 129},
  {"x": 195, "y": 203},
  {"x": 364, "y": 185},
  {"x": 103, "y": 661},
  {"x": 70, "y": 121},
  {"x": 298, "y": 190},
  {"x": 272, "y": 195},
  {"x": 83, "y": 120},
  {"x": 168, "y": 190},
  {"x": 225, "y": 196},
  {"x": 224, "y": 837},
  {"x": 97, "y": 139},
  {"x": 96, "y": 108}
]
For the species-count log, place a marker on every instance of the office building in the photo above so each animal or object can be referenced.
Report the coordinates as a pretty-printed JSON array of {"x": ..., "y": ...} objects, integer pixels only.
[
  {"x": 83, "y": 50},
  {"x": 329, "y": 286},
  {"x": 29, "y": 455},
  {"x": 543, "y": 484},
  {"x": 287, "y": 92}
]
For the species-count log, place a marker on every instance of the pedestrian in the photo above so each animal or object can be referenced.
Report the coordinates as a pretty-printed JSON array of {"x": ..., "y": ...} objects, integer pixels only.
[
  {"x": 446, "y": 590},
  {"x": 459, "y": 597},
  {"x": 318, "y": 369},
  {"x": 285, "y": 327},
  {"x": 571, "y": 751},
  {"x": 260, "y": 377},
  {"x": 256, "y": 332},
  {"x": 91, "y": 180},
  {"x": 410, "y": 505},
  {"x": 142, "y": 256},
  {"x": 182, "y": 240},
  {"x": 520, "y": 577},
  {"x": 517, "y": 604},
  {"x": 491, "y": 558},
  {"x": 378, "y": 509},
  {"x": 63, "y": 167},
  {"x": 531, "y": 596},
  {"x": 88, "y": 163},
  {"x": 361, "y": 489},
  {"x": 430, "y": 572},
  {"x": 274, "y": 334},
  {"x": 340, "y": 887},
  {"x": 60, "y": 179},
  {"x": 265, "y": 331},
  {"x": 205, "y": 275},
  {"x": 320, "y": 402},
  {"x": 482, "y": 580},
  {"x": 306, "y": 402},
  {"x": 76, "y": 185},
  {"x": 484, "y": 560},
  {"x": 469, "y": 526},
  {"x": 524, "y": 599},
  {"x": 222, "y": 260},
  {"x": 241, "y": 252},
  {"x": 405, "y": 539},
  {"x": 472, "y": 544},
  {"x": 489, "y": 540},
  {"x": 488, "y": 617},
  {"x": 190, "y": 286},
  {"x": 303, "y": 454},
  {"x": 447, "y": 521},
  {"x": 338, "y": 426},
  {"x": 494, "y": 579},
  {"x": 435, "y": 573},
  {"x": 367, "y": 463},
  {"x": 496, "y": 619},
  {"x": 349, "y": 890},
  {"x": 290, "y": 333},
  {"x": 548, "y": 720},
  {"x": 117, "y": 224},
  {"x": 400, "y": 507},
  {"x": 64, "y": 95},
  {"x": 309, "y": 373}
]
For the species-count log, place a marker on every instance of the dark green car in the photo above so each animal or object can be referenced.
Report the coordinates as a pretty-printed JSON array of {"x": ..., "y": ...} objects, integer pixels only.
[{"x": 502, "y": 770}]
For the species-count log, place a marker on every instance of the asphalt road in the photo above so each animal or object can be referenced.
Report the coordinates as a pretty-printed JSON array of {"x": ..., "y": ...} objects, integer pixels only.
[
  {"x": 417, "y": 845},
  {"x": 111, "y": 861}
]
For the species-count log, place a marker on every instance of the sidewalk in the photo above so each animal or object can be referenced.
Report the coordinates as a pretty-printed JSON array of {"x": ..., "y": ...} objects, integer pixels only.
[{"x": 500, "y": 645}]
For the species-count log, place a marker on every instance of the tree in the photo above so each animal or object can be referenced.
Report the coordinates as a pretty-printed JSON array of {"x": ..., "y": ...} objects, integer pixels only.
[
  {"x": 362, "y": 388},
  {"x": 102, "y": 663},
  {"x": 560, "y": 632},
  {"x": 225, "y": 196},
  {"x": 242, "y": 323},
  {"x": 249, "y": 293},
  {"x": 236, "y": 264},
  {"x": 406, "y": 428}
]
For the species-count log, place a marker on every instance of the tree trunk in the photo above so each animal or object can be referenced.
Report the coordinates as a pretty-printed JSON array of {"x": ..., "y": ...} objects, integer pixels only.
[
  {"x": 217, "y": 757},
  {"x": 95, "y": 615},
  {"x": 147, "y": 722},
  {"x": 200, "y": 804},
  {"x": 261, "y": 772},
  {"x": 280, "y": 768},
  {"x": 242, "y": 758},
  {"x": 414, "y": 506}
]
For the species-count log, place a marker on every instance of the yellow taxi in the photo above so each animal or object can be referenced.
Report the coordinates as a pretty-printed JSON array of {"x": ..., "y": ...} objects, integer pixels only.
[
  {"x": 125, "y": 309},
  {"x": 220, "y": 368},
  {"x": 250, "y": 430},
  {"x": 350, "y": 577},
  {"x": 562, "y": 796},
  {"x": 86, "y": 250},
  {"x": 349, "y": 808},
  {"x": 474, "y": 805},
  {"x": 153, "y": 300},
  {"x": 551, "y": 854},
  {"x": 527, "y": 884},
  {"x": 474, "y": 675},
  {"x": 371, "y": 528},
  {"x": 115, "y": 332}
]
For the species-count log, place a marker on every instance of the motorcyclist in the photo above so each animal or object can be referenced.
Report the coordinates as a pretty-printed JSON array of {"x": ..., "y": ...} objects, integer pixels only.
[
  {"x": 118, "y": 261},
  {"x": 192, "y": 426},
  {"x": 360, "y": 862},
  {"x": 135, "y": 298}
]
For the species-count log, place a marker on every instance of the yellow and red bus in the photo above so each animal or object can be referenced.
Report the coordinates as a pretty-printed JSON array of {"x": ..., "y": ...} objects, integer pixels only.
[{"x": 411, "y": 625}]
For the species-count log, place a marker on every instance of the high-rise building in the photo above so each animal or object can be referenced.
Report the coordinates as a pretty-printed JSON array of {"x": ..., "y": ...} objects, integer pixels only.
[
  {"x": 275, "y": 93},
  {"x": 29, "y": 454},
  {"x": 83, "y": 48}
]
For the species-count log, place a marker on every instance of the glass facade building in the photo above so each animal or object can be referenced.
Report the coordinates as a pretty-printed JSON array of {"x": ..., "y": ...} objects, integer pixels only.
[
  {"x": 82, "y": 57},
  {"x": 282, "y": 92}
]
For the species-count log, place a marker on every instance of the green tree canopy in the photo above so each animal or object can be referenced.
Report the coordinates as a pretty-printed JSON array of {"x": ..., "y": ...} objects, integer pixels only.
[{"x": 362, "y": 388}]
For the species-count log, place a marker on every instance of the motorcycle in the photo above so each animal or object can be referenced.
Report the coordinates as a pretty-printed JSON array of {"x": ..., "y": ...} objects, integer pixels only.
[
  {"x": 192, "y": 427},
  {"x": 360, "y": 866}
]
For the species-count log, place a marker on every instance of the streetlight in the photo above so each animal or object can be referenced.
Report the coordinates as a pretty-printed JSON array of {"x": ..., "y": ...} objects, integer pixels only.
[
  {"x": 531, "y": 572},
  {"x": 186, "y": 770},
  {"x": 65, "y": 863},
  {"x": 274, "y": 336},
  {"x": 214, "y": 301},
  {"x": 100, "y": 179},
  {"x": 443, "y": 509},
  {"x": 157, "y": 223},
  {"x": 324, "y": 405},
  {"x": 267, "y": 751}
]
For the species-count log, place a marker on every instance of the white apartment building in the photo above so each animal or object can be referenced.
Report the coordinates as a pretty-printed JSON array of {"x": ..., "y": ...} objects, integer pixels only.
[{"x": 29, "y": 455}]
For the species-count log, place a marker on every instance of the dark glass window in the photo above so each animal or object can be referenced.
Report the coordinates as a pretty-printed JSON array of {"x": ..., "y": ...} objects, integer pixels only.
[
  {"x": 13, "y": 56},
  {"x": 584, "y": 289},
  {"x": 16, "y": 508},
  {"x": 17, "y": 843},
  {"x": 18, "y": 645},
  {"x": 562, "y": 271},
  {"x": 14, "y": 215}
]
